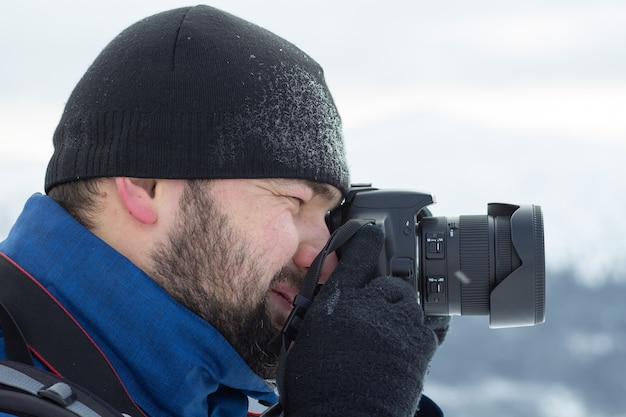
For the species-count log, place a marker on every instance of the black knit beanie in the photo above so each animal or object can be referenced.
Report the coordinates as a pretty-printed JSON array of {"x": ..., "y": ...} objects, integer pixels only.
[{"x": 199, "y": 93}]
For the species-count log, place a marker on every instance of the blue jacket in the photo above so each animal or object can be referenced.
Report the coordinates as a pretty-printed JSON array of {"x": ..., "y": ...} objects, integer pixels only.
[{"x": 172, "y": 362}]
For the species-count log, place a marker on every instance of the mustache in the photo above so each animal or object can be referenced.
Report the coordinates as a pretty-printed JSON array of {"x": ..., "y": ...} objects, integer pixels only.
[{"x": 288, "y": 276}]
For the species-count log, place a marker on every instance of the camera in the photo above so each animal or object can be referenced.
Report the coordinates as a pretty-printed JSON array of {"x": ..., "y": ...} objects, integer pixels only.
[{"x": 491, "y": 264}]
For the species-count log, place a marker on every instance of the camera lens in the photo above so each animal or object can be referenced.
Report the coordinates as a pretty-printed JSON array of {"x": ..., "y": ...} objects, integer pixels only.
[{"x": 490, "y": 264}]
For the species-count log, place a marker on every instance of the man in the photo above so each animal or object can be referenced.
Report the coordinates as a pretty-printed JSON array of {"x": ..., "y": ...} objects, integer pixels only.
[{"x": 193, "y": 167}]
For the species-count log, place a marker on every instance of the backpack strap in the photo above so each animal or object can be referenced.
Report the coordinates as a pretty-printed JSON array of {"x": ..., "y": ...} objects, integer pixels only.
[
  {"x": 14, "y": 341},
  {"x": 32, "y": 392},
  {"x": 57, "y": 338}
]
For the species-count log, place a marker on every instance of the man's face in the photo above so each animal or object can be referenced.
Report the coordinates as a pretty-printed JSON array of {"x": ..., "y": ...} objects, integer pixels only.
[{"x": 237, "y": 253}]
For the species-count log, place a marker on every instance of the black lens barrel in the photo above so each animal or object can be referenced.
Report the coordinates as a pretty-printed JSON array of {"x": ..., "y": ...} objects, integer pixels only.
[{"x": 493, "y": 265}]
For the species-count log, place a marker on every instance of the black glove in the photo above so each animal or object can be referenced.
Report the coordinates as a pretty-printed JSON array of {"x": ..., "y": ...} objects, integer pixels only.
[{"x": 363, "y": 348}]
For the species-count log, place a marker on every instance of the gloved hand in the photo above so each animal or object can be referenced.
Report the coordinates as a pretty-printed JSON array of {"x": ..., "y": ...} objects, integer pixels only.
[{"x": 363, "y": 348}]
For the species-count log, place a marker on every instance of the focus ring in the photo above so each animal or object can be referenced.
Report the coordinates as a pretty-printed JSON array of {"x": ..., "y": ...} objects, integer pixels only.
[{"x": 475, "y": 264}]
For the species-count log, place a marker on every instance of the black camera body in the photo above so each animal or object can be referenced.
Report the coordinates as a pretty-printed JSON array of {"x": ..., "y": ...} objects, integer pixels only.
[{"x": 491, "y": 264}]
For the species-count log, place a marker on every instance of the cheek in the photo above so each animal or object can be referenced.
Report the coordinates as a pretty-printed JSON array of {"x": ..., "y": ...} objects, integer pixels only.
[{"x": 277, "y": 240}]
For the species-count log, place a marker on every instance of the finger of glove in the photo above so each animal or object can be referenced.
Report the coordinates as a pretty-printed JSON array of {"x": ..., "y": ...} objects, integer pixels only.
[
  {"x": 438, "y": 324},
  {"x": 359, "y": 259},
  {"x": 389, "y": 304},
  {"x": 393, "y": 290}
]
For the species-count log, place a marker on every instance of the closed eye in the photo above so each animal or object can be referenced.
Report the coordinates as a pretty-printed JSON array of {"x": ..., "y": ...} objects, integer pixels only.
[{"x": 296, "y": 200}]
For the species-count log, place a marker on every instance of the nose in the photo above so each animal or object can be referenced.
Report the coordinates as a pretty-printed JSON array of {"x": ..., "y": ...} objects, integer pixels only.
[{"x": 308, "y": 251}]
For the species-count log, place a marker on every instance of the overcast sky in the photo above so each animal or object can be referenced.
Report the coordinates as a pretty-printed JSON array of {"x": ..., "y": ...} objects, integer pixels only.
[{"x": 474, "y": 101}]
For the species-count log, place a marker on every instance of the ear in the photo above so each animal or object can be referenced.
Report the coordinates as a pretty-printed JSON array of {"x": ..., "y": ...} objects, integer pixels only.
[{"x": 137, "y": 194}]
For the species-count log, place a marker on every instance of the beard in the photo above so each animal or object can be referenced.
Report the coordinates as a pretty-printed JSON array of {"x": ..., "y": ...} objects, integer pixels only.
[{"x": 207, "y": 269}]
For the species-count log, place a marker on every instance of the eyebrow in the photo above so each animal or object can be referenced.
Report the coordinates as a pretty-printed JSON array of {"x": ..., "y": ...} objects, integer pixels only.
[{"x": 325, "y": 191}]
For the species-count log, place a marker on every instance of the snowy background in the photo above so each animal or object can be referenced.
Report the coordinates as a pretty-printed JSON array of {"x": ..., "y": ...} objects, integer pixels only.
[{"x": 473, "y": 101}]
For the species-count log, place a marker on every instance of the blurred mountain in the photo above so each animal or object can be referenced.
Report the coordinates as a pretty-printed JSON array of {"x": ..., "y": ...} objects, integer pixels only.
[{"x": 571, "y": 365}]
